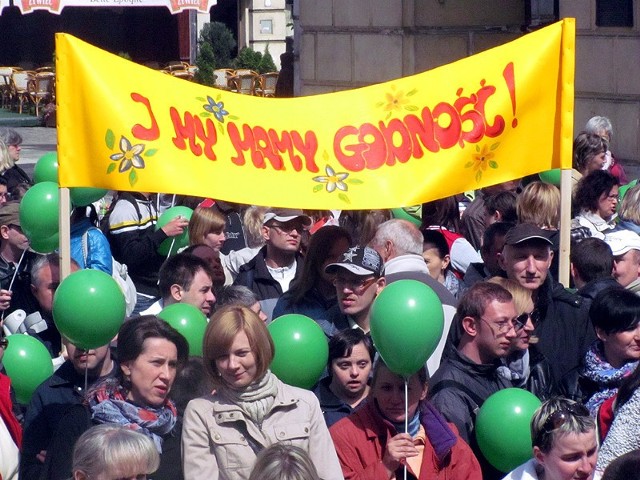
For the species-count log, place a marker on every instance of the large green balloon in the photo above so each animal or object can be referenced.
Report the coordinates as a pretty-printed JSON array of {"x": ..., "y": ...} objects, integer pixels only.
[
  {"x": 551, "y": 176},
  {"x": 46, "y": 169},
  {"x": 28, "y": 364},
  {"x": 45, "y": 244},
  {"x": 189, "y": 321},
  {"x": 83, "y": 196},
  {"x": 39, "y": 210},
  {"x": 503, "y": 427},
  {"x": 407, "y": 322},
  {"x": 181, "y": 240},
  {"x": 622, "y": 191},
  {"x": 88, "y": 308},
  {"x": 301, "y": 350}
]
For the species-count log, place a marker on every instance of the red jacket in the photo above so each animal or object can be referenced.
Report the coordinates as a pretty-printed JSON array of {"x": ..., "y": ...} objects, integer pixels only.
[
  {"x": 360, "y": 441},
  {"x": 6, "y": 411}
]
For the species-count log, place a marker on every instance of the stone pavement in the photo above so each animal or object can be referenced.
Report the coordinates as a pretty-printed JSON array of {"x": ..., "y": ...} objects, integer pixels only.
[{"x": 36, "y": 141}]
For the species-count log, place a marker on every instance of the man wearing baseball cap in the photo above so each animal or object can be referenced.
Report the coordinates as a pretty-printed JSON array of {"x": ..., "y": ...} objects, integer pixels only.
[
  {"x": 13, "y": 243},
  {"x": 625, "y": 246},
  {"x": 564, "y": 330},
  {"x": 358, "y": 280},
  {"x": 270, "y": 273}
]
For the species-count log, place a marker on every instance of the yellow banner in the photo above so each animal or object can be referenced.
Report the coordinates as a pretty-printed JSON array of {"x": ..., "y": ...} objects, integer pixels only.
[{"x": 498, "y": 115}]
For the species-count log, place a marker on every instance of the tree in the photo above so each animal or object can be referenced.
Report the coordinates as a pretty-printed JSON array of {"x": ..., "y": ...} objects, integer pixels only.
[
  {"x": 267, "y": 64},
  {"x": 221, "y": 40},
  {"x": 206, "y": 63}
]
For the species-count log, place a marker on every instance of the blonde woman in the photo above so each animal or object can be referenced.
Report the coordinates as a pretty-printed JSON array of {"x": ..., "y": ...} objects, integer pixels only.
[
  {"x": 250, "y": 409},
  {"x": 539, "y": 203},
  {"x": 114, "y": 451},
  {"x": 525, "y": 365},
  {"x": 12, "y": 173}
]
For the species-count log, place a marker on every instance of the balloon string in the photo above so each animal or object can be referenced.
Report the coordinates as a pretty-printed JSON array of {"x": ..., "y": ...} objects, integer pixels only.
[
  {"x": 15, "y": 273},
  {"x": 86, "y": 374},
  {"x": 406, "y": 417},
  {"x": 173, "y": 241}
]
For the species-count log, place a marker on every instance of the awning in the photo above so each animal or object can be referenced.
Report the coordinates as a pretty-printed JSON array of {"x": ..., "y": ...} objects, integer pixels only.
[{"x": 56, "y": 6}]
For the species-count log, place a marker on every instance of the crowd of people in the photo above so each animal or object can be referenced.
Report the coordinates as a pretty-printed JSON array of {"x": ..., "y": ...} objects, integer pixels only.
[{"x": 140, "y": 406}]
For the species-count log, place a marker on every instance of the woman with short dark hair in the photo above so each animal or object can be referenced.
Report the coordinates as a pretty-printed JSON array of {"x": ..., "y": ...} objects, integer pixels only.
[
  {"x": 150, "y": 352},
  {"x": 615, "y": 315},
  {"x": 596, "y": 200}
]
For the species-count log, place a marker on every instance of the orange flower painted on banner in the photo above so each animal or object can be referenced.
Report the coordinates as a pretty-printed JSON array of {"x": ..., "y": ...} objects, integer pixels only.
[
  {"x": 129, "y": 158},
  {"x": 397, "y": 102},
  {"x": 483, "y": 159}
]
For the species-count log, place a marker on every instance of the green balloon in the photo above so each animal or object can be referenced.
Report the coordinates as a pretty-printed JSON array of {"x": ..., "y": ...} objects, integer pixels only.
[
  {"x": 181, "y": 240},
  {"x": 189, "y": 321},
  {"x": 301, "y": 350},
  {"x": 88, "y": 308},
  {"x": 46, "y": 169},
  {"x": 407, "y": 322},
  {"x": 622, "y": 191},
  {"x": 28, "y": 364},
  {"x": 551, "y": 176},
  {"x": 83, "y": 196},
  {"x": 503, "y": 427},
  {"x": 45, "y": 244},
  {"x": 39, "y": 210},
  {"x": 411, "y": 214}
]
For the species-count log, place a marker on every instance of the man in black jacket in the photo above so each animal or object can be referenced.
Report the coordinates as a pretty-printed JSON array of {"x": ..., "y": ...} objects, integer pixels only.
[
  {"x": 270, "y": 273},
  {"x": 468, "y": 374},
  {"x": 50, "y": 401},
  {"x": 564, "y": 330}
]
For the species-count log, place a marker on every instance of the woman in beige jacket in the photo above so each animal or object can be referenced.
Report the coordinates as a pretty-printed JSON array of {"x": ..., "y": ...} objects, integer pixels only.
[{"x": 250, "y": 408}]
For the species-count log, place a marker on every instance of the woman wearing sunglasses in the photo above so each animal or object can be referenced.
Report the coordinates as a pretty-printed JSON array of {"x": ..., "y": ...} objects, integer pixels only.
[
  {"x": 614, "y": 355},
  {"x": 525, "y": 366},
  {"x": 564, "y": 443}
]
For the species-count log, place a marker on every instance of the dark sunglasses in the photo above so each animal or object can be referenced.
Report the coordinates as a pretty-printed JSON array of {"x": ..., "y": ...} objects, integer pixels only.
[
  {"x": 521, "y": 320},
  {"x": 558, "y": 418}
]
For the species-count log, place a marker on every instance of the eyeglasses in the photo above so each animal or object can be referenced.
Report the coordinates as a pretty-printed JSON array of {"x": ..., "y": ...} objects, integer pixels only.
[
  {"x": 287, "y": 227},
  {"x": 521, "y": 320},
  {"x": 503, "y": 326},
  {"x": 558, "y": 418},
  {"x": 354, "y": 284}
]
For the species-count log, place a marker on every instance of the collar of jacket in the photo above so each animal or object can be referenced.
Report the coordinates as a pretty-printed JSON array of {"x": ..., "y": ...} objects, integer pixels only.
[
  {"x": 440, "y": 436},
  {"x": 226, "y": 411}
]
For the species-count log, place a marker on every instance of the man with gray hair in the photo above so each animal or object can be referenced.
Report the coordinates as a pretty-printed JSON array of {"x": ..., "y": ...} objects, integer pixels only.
[
  {"x": 399, "y": 243},
  {"x": 242, "y": 296}
]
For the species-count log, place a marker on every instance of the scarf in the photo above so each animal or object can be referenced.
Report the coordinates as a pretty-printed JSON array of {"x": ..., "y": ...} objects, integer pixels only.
[
  {"x": 109, "y": 404},
  {"x": 413, "y": 425},
  {"x": 256, "y": 399},
  {"x": 608, "y": 378},
  {"x": 515, "y": 368}
]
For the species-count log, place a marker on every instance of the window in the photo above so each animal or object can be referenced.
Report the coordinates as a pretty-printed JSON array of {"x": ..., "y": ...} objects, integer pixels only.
[
  {"x": 266, "y": 27},
  {"x": 614, "y": 13}
]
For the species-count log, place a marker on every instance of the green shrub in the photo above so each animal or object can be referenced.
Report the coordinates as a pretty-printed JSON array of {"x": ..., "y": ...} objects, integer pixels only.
[
  {"x": 206, "y": 63},
  {"x": 221, "y": 40}
]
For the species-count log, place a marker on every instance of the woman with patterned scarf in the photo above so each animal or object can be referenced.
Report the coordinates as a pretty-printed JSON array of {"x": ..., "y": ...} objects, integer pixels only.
[
  {"x": 150, "y": 353},
  {"x": 250, "y": 409},
  {"x": 615, "y": 315}
]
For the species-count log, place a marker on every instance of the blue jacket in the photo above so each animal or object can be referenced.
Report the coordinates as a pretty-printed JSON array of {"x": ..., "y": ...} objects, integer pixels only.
[
  {"x": 99, "y": 252},
  {"x": 312, "y": 305}
]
